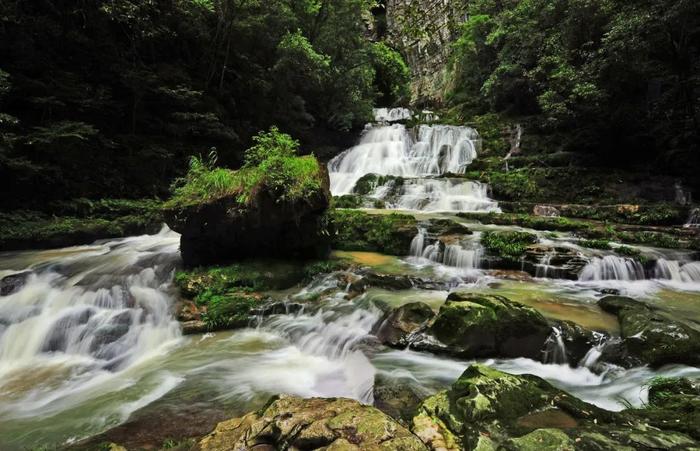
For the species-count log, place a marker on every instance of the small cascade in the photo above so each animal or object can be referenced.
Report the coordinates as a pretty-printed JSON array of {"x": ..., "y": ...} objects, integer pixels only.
[
  {"x": 433, "y": 195},
  {"x": 676, "y": 271},
  {"x": 544, "y": 267},
  {"x": 452, "y": 255},
  {"x": 694, "y": 219},
  {"x": 392, "y": 114},
  {"x": 555, "y": 348},
  {"x": 612, "y": 267},
  {"x": 590, "y": 360}
]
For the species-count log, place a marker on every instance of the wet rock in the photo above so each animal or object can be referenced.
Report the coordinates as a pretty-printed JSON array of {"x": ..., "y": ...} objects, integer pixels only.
[
  {"x": 397, "y": 398},
  {"x": 478, "y": 325},
  {"x": 674, "y": 403},
  {"x": 194, "y": 327},
  {"x": 294, "y": 423},
  {"x": 278, "y": 308},
  {"x": 442, "y": 227},
  {"x": 553, "y": 262},
  {"x": 222, "y": 230},
  {"x": 57, "y": 338},
  {"x": 187, "y": 310},
  {"x": 577, "y": 340},
  {"x": 394, "y": 282},
  {"x": 398, "y": 326},
  {"x": 652, "y": 336},
  {"x": 486, "y": 409},
  {"x": 546, "y": 210},
  {"x": 13, "y": 283}
]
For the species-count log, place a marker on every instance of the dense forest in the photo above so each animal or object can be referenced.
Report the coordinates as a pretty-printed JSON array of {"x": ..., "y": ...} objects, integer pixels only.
[
  {"x": 110, "y": 98},
  {"x": 618, "y": 80}
]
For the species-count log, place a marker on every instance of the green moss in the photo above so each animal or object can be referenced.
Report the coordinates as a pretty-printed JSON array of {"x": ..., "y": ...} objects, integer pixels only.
[
  {"x": 529, "y": 221},
  {"x": 369, "y": 182},
  {"x": 595, "y": 244},
  {"x": 85, "y": 222},
  {"x": 226, "y": 310},
  {"x": 510, "y": 246},
  {"x": 271, "y": 165},
  {"x": 347, "y": 201},
  {"x": 359, "y": 231}
]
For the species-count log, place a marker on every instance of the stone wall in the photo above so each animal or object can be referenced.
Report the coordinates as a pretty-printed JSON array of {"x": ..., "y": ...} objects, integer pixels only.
[{"x": 423, "y": 30}]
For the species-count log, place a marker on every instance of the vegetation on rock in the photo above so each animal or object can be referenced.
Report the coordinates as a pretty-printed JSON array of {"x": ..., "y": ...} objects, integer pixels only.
[
  {"x": 510, "y": 246},
  {"x": 355, "y": 230}
]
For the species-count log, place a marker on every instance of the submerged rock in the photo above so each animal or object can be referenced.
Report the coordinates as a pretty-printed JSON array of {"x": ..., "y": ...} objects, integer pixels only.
[
  {"x": 399, "y": 324},
  {"x": 479, "y": 325},
  {"x": 398, "y": 398},
  {"x": 651, "y": 336},
  {"x": 295, "y": 423},
  {"x": 222, "y": 229}
]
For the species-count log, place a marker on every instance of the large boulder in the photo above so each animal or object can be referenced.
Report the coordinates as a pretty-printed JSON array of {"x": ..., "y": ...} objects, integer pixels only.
[
  {"x": 401, "y": 323},
  {"x": 486, "y": 409},
  {"x": 224, "y": 229},
  {"x": 480, "y": 325},
  {"x": 13, "y": 283},
  {"x": 652, "y": 336},
  {"x": 308, "y": 424}
]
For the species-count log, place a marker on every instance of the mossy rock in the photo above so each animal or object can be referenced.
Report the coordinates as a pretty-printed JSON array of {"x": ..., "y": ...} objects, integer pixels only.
[
  {"x": 478, "y": 325},
  {"x": 652, "y": 336},
  {"x": 353, "y": 230},
  {"x": 486, "y": 409},
  {"x": 369, "y": 182},
  {"x": 295, "y": 423},
  {"x": 398, "y": 325},
  {"x": 510, "y": 247}
]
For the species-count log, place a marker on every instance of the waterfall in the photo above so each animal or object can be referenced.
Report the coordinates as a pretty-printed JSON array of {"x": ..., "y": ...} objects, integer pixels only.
[
  {"x": 392, "y": 114},
  {"x": 694, "y": 219},
  {"x": 392, "y": 150},
  {"x": 554, "y": 348},
  {"x": 675, "y": 271},
  {"x": 434, "y": 195},
  {"x": 88, "y": 311},
  {"x": 612, "y": 267},
  {"x": 591, "y": 358},
  {"x": 452, "y": 255},
  {"x": 545, "y": 268}
]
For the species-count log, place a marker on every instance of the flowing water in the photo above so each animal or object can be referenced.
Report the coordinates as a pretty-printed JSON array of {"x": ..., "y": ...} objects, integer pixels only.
[
  {"x": 419, "y": 156},
  {"x": 88, "y": 340}
]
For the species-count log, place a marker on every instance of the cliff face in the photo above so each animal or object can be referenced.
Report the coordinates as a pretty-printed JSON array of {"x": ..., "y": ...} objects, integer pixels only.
[{"x": 423, "y": 31}]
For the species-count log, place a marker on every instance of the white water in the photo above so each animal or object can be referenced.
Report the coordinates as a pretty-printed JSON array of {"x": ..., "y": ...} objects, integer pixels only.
[
  {"x": 694, "y": 219},
  {"x": 392, "y": 114},
  {"x": 453, "y": 255},
  {"x": 434, "y": 195},
  {"x": 677, "y": 271},
  {"x": 612, "y": 267}
]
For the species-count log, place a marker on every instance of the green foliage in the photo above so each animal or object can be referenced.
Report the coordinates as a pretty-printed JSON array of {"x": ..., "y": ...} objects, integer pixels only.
[
  {"x": 530, "y": 221},
  {"x": 347, "y": 201},
  {"x": 510, "y": 246},
  {"x": 582, "y": 70},
  {"x": 369, "y": 182},
  {"x": 595, "y": 244},
  {"x": 271, "y": 165},
  {"x": 359, "y": 231},
  {"x": 226, "y": 310},
  {"x": 392, "y": 75}
]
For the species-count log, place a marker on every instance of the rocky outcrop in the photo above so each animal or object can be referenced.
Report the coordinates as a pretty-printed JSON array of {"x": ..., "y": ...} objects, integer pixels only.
[
  {"x": 222, "y": 229},
  {"x": 399, "y": 324},
  {"x": 553, "y": 261},
  {"x": 478, "y": 325},
  {"x": 295, "y": 423},
  {"x": 423, "y": 31},
  {"x": 652, "y": 336},
  {"x": 486, "y": 409}
]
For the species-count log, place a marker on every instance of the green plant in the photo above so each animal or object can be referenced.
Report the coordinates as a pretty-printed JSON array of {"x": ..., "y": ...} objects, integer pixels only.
[
  {"x": 510, "y": 246},
  {"x": 595, "y": 244}
]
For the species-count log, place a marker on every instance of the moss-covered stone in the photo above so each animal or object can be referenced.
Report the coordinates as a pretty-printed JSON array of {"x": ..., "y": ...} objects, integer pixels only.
[
  {"x": 488, "y": 409},
  {"x": 369, "y": 182},
  {"x": 510, "y": 247},
  {"x": 651, "y": 335},
  {"x": 295, "y": 423},
  {"x": 354, "y": 230},
  {"x": 478, "y": 325}
]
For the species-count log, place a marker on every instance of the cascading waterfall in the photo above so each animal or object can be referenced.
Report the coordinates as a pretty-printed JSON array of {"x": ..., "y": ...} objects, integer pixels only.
[
  {"x": 88, "y": 313},
  {"x": 612, "y": 267},
  {"x": 555, "y": 348},
  {"x": 392, "y": 114},
  {"x": 452, "y": 255},
  {"x": 677, "y": 271},
  {"x": 694, "y": 219},
  {"x": 415, "y": 156}
]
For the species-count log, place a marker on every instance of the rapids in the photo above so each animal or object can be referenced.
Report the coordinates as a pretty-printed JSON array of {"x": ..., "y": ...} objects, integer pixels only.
[{"x": 68, "y": 374}]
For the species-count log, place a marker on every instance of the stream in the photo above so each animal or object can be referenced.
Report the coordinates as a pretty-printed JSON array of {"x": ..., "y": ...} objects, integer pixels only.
[{"x": 90, "y": 340}]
